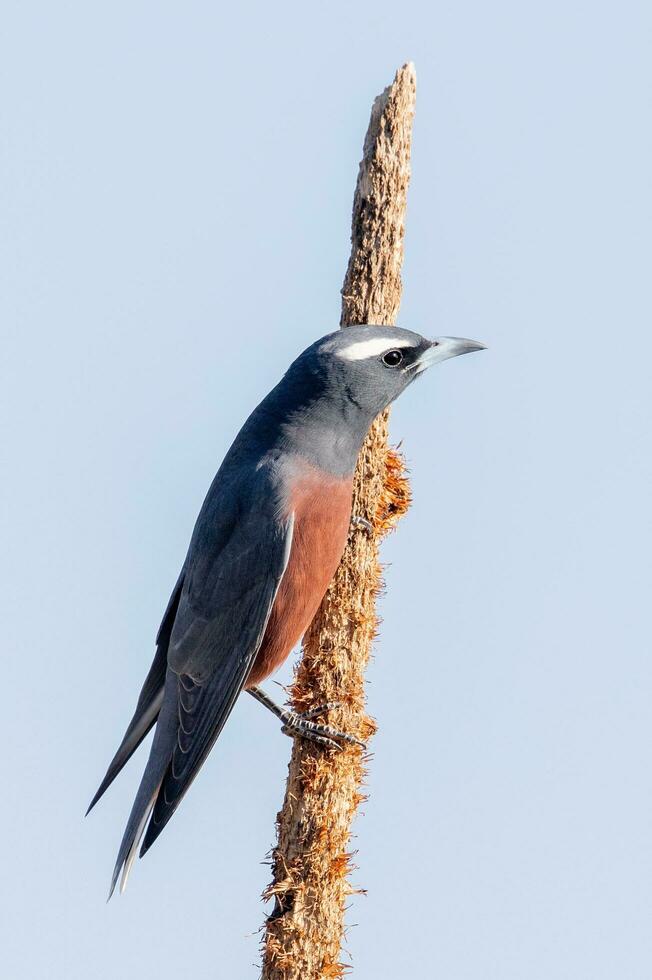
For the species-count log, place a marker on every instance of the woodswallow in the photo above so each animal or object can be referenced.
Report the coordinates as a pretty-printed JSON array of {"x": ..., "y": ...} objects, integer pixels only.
[{"x": 267, "y": 542}]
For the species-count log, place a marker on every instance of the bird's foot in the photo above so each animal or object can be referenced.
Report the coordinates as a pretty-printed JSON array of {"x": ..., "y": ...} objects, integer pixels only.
[
  {"x": 300, "y": 725},
  {"x": 357, "y": 521}
]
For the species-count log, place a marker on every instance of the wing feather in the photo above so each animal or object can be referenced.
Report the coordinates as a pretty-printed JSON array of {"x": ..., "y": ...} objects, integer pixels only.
[
  {"x": 204, "y": 706},
  {"x": 237, "y": 557}
]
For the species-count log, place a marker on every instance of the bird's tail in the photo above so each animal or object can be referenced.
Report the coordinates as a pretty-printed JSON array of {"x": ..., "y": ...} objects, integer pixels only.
[
  {"x": 160, "y": 754},
  {"x": 144, "y": 717},
  {"x": 150, "y": 700}
]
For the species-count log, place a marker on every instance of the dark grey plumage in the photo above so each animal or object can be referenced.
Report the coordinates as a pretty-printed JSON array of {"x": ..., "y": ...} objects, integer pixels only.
[
  {"x": 313, "y": 422},
  {"x": 150, "y": 699},
  {"x": 237, "y": 555}
]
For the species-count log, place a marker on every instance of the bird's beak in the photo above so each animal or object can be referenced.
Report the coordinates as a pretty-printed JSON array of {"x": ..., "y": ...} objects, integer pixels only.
[{"x": 444, "y": 347}]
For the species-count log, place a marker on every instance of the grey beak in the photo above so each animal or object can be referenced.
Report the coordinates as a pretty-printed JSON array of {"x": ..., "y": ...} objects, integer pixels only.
[{"x": 444, "y": 347}]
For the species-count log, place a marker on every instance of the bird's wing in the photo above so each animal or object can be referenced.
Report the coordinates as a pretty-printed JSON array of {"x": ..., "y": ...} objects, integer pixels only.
[
  {"x": 238, "y": 554},
  {"x": 150, "y": 699},
  {"x": 232, "y": 574}
]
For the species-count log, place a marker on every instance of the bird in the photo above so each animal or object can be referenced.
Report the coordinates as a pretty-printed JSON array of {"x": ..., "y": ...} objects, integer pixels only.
[{"x": 265, "y": 546}]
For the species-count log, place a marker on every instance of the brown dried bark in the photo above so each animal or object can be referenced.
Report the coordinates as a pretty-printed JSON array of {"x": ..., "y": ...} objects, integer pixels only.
[{"x": 312, "y": 860}]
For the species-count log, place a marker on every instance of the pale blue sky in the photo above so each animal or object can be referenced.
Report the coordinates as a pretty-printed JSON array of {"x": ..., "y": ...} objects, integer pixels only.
[{"x": 175, "y": 187}]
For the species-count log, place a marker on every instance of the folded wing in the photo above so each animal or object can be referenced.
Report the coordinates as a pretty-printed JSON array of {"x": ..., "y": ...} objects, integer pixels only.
[{"x": 238, "y": 554}]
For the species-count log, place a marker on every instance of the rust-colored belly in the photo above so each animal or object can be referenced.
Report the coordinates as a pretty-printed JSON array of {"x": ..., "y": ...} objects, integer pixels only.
[{"x": 322, "y": 514}]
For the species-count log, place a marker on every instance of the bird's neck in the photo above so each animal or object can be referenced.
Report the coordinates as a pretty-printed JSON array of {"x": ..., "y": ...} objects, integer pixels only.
[{"x": 326, "y": 431}]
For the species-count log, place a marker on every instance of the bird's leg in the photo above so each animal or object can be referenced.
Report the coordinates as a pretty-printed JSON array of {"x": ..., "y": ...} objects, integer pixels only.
[
  {"x": 300, "y": 724},
  {"x": 357, "y": 521}
]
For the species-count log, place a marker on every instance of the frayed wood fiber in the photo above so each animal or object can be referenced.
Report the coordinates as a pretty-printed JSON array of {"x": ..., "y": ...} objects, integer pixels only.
[{"x": 312, "y": 860}]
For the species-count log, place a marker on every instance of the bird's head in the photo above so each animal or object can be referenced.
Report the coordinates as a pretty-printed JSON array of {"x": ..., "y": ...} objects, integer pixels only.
[
  {"x": 323, "y": 406},
  {"x": 371, "y": 366}
]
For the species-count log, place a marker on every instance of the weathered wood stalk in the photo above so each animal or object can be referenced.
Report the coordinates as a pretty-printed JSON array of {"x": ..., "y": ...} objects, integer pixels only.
[{"x": 312, "y": 858}]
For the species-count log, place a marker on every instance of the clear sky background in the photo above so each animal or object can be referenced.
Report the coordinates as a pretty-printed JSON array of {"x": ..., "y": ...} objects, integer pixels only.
[{"x": 176, "y": 184}]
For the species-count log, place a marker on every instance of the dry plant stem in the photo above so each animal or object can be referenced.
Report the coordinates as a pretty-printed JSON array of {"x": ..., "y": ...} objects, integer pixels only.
[{"x": 311, "y": 862}]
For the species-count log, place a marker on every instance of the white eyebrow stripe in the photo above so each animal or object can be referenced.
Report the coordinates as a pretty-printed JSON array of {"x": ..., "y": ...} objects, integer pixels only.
[{"x": 369, "y": 348}]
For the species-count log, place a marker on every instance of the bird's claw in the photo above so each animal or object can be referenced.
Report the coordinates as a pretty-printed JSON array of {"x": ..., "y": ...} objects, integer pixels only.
[
  {"x": 329, "y": 743},
  {"x": 357, "y": 521},
  {"x": 300, "y": 726},
  {"x": 320, "y": 709}
]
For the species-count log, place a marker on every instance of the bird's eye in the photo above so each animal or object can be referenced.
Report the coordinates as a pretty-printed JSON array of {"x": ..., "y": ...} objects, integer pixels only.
[{"x": 392, "y": 358}]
